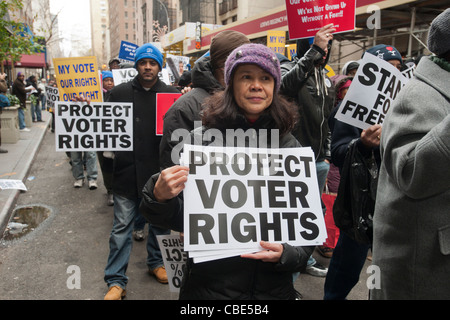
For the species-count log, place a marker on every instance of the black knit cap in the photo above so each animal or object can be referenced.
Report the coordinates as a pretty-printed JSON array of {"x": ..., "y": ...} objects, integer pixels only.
[{"x": 439, "y": 34}]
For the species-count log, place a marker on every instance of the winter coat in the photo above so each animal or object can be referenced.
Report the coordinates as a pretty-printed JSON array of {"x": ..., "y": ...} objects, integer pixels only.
[
  {"x": 353, "y": 209},
  {"x": 4, "y": 101},
  {"x": 412, "y": 221},
  {"x": 314, "y": 95},
  {"x": 37, "y": 94},
  {"x": 18, "y": 89},
  {"x": 230, "y": 278},
  {"x": 186, "y": 109},
  {"x": 342, "y": 135},
  {"x": 132, "y": 169}
]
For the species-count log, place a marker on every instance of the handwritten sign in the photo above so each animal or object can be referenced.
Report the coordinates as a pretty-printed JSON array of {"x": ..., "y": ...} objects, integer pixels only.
[{"x": 76, "y": 77}]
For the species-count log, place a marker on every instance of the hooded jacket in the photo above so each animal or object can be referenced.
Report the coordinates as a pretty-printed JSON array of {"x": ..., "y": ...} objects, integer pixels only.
[
  {"x": 231, "y": 278},
  {"x": 186, "y": 109},
  {"x": 132, "y": 169},
  {"x": 314, "y": 95}
]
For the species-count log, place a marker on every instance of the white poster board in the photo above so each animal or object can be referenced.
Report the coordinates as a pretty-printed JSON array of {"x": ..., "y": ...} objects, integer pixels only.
[
  {"x": 98, "y": 126},
  {"x": 236, "y": 197},
  {"x": 174, "y": 258},
  {"x": 371, "y": 94},
  {"x": 123, "y": 75}
]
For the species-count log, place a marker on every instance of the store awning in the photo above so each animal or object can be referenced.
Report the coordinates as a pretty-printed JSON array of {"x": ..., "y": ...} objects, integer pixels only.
[
  {"x": 30, "y": 61},
  {"x": 395, "y": 14}
]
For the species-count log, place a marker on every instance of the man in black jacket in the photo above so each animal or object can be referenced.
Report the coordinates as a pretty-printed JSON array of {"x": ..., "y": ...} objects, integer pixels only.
[
  {"x": 207, "y": 78},
  {"x": 20, "y": 91},
  {"x": 35, "y": 108},
  {"x": 132, "y": 169},
  {"x": 304, "y": 80}
]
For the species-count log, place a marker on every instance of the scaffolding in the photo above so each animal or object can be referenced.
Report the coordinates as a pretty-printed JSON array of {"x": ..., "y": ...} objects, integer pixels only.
[{"x": 404, "y": 26}]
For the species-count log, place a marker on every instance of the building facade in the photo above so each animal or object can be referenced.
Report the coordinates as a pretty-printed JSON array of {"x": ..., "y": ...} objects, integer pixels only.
[{"x": 100, "y": 38}]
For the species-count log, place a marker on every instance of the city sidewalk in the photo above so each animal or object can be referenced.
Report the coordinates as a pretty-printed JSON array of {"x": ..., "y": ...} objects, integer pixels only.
[{"x": 16, "y": 164}]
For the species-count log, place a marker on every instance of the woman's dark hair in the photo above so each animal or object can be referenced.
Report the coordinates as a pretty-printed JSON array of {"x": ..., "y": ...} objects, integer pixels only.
[{"x": 222, "y": 112}]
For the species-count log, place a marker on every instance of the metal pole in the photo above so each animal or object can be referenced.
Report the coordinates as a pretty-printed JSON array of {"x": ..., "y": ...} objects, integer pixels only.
[
  {"x": 375, "y": 33},
  {"x": 411, "y": 29},
  {"x": 167, "y": 13}
]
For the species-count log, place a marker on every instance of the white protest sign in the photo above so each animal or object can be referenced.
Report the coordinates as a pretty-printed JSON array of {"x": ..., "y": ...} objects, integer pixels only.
[
  {"x": 98, "y": 126},
  {"x": 409, "y": 73},
  {"x": 52, "y": 94},
  {"x": 164, "y": 76},
  {"x": 128, "y": 74},
  {"x": 236, "y": 197},
  {"x": 174, "y": 258},
  {"x": 371, "y": 94},
  {"x": 123, "y": 75}
]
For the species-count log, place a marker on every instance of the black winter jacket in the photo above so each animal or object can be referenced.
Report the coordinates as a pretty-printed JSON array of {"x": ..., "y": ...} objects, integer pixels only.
[
  {"x": 186, "y": 110},
  {"x": 230, "y": 278},
  {"x": 341, "y": 136},
  {"x": 132, "y": 169},
  {"x": 314, "y": 95}
]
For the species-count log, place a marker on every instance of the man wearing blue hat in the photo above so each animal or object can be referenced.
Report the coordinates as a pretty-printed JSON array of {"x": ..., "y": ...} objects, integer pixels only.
[{"x": 132, "y": 169}]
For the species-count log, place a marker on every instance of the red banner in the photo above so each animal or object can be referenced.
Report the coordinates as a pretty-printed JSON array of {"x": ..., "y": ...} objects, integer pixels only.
[
  {"x": 306, "y": 17},
  {"x": 163, "y": 102}
]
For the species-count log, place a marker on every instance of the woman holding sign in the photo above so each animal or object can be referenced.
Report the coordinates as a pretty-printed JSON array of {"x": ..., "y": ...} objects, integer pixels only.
[{"x": 250, "y": 100}]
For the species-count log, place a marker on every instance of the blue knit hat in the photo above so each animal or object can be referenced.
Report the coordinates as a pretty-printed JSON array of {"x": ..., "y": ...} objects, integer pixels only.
[
  {"x": 385, "y": 52},
  {"x": 257, "y": 54},
  {"x": 148, "y": 51},
  {"x": 107, "y": 74}
]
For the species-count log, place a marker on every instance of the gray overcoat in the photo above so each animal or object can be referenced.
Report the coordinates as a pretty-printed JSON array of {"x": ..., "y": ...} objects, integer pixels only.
[{"x": 412, "y": 215}]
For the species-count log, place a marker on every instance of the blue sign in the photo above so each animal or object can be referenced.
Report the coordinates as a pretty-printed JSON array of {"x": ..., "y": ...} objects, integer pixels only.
[{"x": 127, "y": 50}]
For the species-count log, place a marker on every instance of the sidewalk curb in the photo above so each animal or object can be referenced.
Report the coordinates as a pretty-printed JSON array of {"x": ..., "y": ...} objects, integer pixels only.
[{"x": 23, "y": 166}]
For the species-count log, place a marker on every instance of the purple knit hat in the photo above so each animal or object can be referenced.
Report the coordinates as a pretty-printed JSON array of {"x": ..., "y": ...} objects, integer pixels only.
[{"x": 257, "y": 54}]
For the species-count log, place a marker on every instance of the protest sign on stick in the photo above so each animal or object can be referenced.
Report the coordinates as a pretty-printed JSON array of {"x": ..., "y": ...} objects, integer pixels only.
[
  {"x": 93, "y": 127},
  {"x": 76, "y": 77},
  {"x": 236, "y": 197},
  {"x": 371, "y": 94},
  {"x": 306, "y": 17}
]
